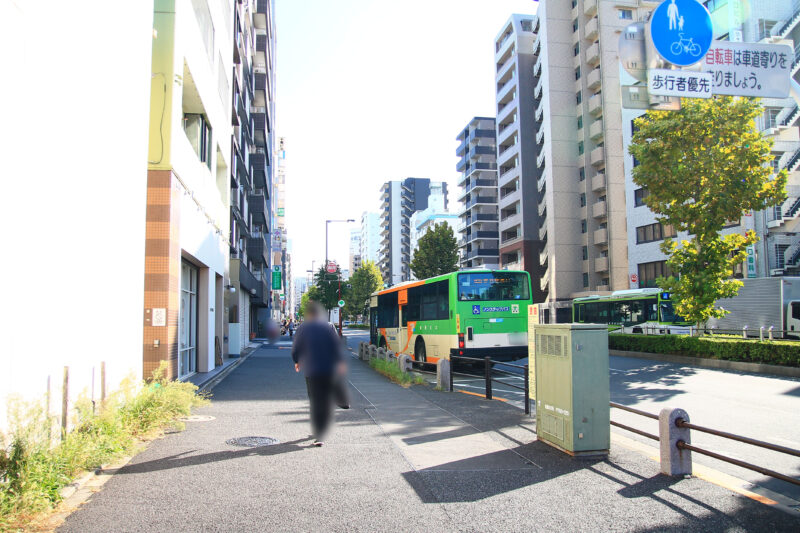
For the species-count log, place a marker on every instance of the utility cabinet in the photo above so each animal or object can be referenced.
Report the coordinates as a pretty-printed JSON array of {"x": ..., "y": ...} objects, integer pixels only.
[{"x": 572, "y": 387}]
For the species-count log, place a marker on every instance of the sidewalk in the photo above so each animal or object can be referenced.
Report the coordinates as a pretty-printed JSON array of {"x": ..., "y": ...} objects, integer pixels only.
[{"x": 398, "y": 460}]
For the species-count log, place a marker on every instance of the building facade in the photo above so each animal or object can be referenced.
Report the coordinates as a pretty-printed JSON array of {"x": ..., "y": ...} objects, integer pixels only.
[
  {"x": 777, "y": 252},
  {"x": 370, "y": 238},
  {"x": 478, "y": 228},
  {"x": 400, "y": 200},
  {"x": 355, "y": 249},
  {"x": 252, "y": 113},
  {"x": 517, "y": 124}
]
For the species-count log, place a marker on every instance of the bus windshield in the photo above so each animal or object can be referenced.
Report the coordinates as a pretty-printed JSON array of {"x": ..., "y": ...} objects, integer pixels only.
[
  {"x": 492, "y": 286},
  {"x": 668, "y": 313}
]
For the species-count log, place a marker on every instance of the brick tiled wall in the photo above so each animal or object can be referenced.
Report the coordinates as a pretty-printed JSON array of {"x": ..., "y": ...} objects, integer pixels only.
[{"x": 162, "y": 271}]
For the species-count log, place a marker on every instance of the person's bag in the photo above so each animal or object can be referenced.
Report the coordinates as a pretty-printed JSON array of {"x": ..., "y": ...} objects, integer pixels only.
[{"x": 341, "y": 394}]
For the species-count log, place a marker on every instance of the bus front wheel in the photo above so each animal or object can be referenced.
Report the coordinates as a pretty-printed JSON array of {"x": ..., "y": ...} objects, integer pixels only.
[{"x": 419, "y": 351}]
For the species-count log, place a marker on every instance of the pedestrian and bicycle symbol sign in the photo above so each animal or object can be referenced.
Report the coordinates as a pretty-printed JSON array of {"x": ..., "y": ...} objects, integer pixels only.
[{"x": 681, "y": 31}]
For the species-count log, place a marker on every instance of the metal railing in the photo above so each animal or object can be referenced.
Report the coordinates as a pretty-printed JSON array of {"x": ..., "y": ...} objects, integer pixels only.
[
  {"x": 488, "y": 364},
  {"x": 681, "y": 444}
]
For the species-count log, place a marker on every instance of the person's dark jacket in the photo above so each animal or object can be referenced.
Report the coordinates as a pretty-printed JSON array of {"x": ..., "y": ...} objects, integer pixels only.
[{"x": 317, "y": 348}]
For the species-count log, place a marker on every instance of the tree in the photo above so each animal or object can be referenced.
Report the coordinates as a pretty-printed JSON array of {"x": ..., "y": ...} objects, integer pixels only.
[
  {"x": 702, "y": 167},
  {"x": 364, "y": 281},
  {"x": 327, "y": 285},
  {"x": 311, "y": 295},
  {"x": 436, "y": 253}
]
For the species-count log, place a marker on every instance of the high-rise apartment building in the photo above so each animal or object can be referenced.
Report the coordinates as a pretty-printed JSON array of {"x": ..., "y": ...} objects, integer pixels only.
[
  {"x": 355, "y": 249},
  {"x": 478, "y": 229},
  {"x": 778, "y": 250},
  {"x": 518, "y": 174},
  {"x": 251, "y": 172},
  {"x": 280, "y": 280},
  {"x": 370, "y": 238},
  {"x": 400, "y": 200}
]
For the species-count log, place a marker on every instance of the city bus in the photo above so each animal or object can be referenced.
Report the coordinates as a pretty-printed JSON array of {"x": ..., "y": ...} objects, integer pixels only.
[
  {"x": 631, "y": 311},
  {"x": 471, "y": 313}
]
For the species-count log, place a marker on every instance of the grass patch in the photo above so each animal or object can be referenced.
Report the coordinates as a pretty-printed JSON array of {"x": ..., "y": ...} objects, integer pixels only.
[
  {"x": 391, "y": 370},
  {"x": 729, "y": 349},
  {"x": 358, "y": 326},
  {"x": 33, "y": 470}
]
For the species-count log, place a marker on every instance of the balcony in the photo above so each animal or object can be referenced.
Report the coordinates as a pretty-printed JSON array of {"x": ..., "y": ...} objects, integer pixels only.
[
  {"x": 479, "y": 150},
  {"x": 260, "y": 14},
  {"x": 596, "y": 130},
  {"x": 593, "y": 80},
  {"x": 544, "y": 281},
  {"x": 593, "y": 54},
  {"x": 540, "y": 135},
  {"x": 478, "y": 200},
  {"x": 601, "y": 264},
  {"x": 485, "y": 252},
  {"x": 599, "y": 182},
  {"x": 596, "y": 105},
  {"x": 600, "y": 236},
  {"x": 599, "y": 209},
  {"x": 540, "y": 111},
  {"x": 259, "y": 116},
  {"x": 537, "y": 68},
  {"x": 542, "y": 183},
  {"x": 537, "y": 92},
  {"x": 537, "y": 44},
  {"x": 258, "y": 206},
  {"x": 476, "y": 235},
  {"x": 260, "y": 86},
  {"x": 543, "y": 257},
  {"x": 247, "y": 280},
  {"x": 542, "y": 206},
  {"x": 589, "y": 7},
  {"x": 597, "y": 157},
  {"x": 543, "y": 232},
  {"x": 257, "y": 248},
  {"x": 591, "y": 30},
  {"x": 540, "y": 158},
  {"x": 258, "y": 168}
]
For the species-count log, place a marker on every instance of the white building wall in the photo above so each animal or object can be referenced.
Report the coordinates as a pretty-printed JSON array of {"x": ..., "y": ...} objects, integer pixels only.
[
  {"x": 370, "y": 237},
  {"x": 82, "y": 207}
]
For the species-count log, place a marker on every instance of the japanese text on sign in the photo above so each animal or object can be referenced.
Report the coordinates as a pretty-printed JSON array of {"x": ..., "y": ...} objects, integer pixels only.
[
  {"x": 679, "y": 83},
  {"x": 749, "y": 69}
]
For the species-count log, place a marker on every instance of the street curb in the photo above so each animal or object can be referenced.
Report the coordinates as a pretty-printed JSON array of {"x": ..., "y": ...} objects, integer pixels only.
[{"x": 719, "y": 364}]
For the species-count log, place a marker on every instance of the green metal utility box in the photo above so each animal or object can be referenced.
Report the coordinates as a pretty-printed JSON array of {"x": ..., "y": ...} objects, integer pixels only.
[{"x": 572, "y": 387}]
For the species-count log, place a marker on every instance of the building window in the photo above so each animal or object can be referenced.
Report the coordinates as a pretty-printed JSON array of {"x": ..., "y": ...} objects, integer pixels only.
[
  {"x": 771, "y": 117},
  {"x": 626, "y": 14},
  {"x": 578, "y": 97},
  {"x": 650, "y": 272},
  {"x": 585, "y": 279},
  {"x": 576, "y": 49},
  {"x": 583, "y": 226},
  {"x": 580, "y": 147},
  {"x": 585, "y": 252},
  {"x": 198, "y": 132},
  {"x": 187, "y": 321},
  {"x": 580, "y": 122},
  {"x": 581, "y": 174},
  {"x": 574, "y": 23},
  {"x": 574, "y": 3},
  {"x": 526, "y": 25},
  {"x": 780, "y": 255},
  {"x": 638, "y": 197},
  {"x": 578, "y": 73},
  {"x": 654, "y": 232},
  {"x": 583, "y": 199}
]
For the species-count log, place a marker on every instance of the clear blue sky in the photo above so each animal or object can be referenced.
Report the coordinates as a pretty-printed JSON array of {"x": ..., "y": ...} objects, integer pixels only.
[{"x": 375, "y": 90}]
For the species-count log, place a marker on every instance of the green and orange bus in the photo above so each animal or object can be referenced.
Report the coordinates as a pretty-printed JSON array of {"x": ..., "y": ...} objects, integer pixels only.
[{"x": 471, "y": 313}]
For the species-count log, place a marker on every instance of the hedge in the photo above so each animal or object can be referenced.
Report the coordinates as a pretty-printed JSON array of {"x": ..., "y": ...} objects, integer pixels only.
[{"x": 773, "y": 353}]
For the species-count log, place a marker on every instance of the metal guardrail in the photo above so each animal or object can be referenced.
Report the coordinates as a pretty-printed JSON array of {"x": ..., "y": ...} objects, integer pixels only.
[
  {"x": 488, "y": 363},
  {"x": 681, "y": 444}
]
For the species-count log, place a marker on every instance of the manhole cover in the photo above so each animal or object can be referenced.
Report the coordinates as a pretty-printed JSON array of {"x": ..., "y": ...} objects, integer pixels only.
[
  {"x": 252, "y": 442},
  {"x": 196, "y": 418}
]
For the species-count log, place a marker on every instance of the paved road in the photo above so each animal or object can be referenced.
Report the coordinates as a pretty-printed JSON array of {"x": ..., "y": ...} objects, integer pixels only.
[
  {"x": 753, "y": 405},
  {"x": 410, "y": 460}
]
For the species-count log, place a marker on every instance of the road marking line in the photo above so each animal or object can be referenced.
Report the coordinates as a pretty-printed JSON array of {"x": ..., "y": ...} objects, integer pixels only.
[{"x": 481, "y": 395}]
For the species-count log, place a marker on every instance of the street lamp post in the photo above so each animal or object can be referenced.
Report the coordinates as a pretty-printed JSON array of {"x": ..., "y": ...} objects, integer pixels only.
[{"x": 349, "y": 220}]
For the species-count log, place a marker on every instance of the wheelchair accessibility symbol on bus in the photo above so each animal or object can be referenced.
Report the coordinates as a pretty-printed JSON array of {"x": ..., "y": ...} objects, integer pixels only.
[{"x": 476, "y": 309}]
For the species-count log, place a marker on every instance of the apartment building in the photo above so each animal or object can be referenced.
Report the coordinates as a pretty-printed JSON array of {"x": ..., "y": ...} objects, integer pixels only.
[
  {"x": 400, "y": 200},
  {"x": 370, "y": 238},
  {"x": 188, "y": 193},
  {"x": 778, "y": 250},
  {"x": 520, "y": 243},
  {"x": 281, "y": 262},
  {"x": 80, "y": 257},
  {"x": 478, "y": 229},
  {"x": 252, "y": 109},
  {"x": 355, "y": 249}
]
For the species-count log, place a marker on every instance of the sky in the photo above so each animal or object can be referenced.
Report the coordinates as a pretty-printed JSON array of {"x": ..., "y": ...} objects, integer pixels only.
[{"x": 370, "y": 91}]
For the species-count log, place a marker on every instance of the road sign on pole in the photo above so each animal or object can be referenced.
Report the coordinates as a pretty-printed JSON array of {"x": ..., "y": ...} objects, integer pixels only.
[
  {"x": 331, "y": 268},
  {"x": 681, "y": 31},
  {"x": 679, "y": 83},
  {"x": 341, "y": 303},
  {"x": 750, "y": 69}
]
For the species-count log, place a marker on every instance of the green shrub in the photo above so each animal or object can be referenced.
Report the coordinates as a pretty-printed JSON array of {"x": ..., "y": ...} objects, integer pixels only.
[
  {"x": 391, "y": 370},
  {"x": 33, "y": 471},
  {"x": 751, "y": 351}
]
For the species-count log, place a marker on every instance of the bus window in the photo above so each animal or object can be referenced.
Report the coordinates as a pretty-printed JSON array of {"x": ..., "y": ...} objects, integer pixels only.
[
  {"x": 404, "y": 315},
  {"x": 668, "y": 313},
  {"x": 414, "y": 303},
  {"x": 489, "y": 286},
  {"x": 443, "y": 304},
  {"x": 387, "y": 310},
  {"x": 579, "y": 313},
  {"x": 650, "y": 310}
]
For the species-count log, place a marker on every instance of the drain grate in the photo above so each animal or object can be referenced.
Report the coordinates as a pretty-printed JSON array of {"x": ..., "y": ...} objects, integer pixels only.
[
  {"x": 252, "y": 442},
  {"x": 196, "y": 418}
]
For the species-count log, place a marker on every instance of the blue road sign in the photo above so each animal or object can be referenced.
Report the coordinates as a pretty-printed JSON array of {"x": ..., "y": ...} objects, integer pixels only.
[{"x": 681, "y": 31}]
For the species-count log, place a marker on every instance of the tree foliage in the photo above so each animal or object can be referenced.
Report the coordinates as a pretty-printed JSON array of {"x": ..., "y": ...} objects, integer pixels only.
[
  {"x": 311, "y": 295},
  {"x": 436, "y": 253},
  {"x": 702, "y": 167},
  {"x": 363, "y": 282},
  {"x": 327, "y": 287}
]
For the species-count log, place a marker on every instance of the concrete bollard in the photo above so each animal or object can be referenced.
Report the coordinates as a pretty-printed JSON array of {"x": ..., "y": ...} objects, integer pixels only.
[
  {"x": 770, "y": 332},
  {"x": 381, "y": 353},
  {"x": 404, "y": 362},
  {"x": 372, "y": 352},
  {"x": 443, "y": 375},
  {"x": 761, "y": 333},
  {"x": 390, "y": 356},
  {"x": 674, "y": 461}
]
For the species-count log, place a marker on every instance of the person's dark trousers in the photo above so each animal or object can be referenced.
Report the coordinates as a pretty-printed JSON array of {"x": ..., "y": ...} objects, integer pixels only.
[{"x": 320, "y": 396}]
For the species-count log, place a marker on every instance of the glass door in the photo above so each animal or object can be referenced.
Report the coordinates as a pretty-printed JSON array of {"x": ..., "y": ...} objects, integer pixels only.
[{"x": 187, "y": 334}]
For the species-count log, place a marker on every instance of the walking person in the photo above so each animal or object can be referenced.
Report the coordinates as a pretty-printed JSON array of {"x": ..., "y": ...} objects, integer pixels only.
[
  {"x": 317, "y": 351},
  {"x": 291, "y": 328}
]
